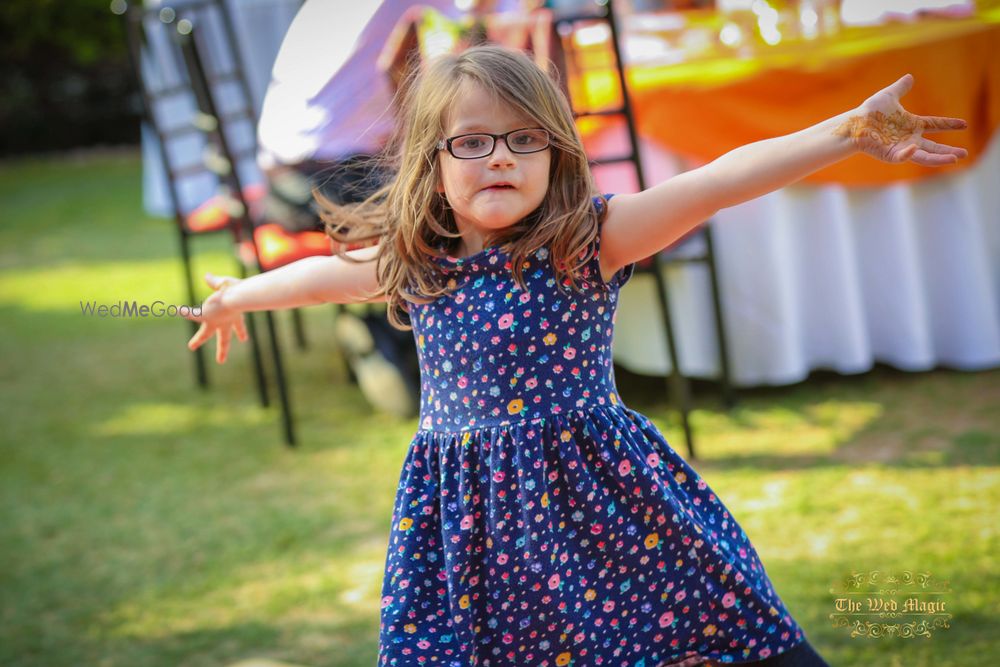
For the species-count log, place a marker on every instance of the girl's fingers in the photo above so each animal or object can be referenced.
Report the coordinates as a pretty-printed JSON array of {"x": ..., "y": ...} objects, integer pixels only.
[
  {"x": 906, "y": 153},
  {"x": 222, "y": 347},
  {"x": 922, "y": 157},
  {"x": 938, "y": 123},
  {"x": 942, "y": 149},
  {"x": 188, "y": 314},
  {"x": 218, "y": 282},
  {"x": 241, "y": 329},
  {"x": 200, "y": 336},
  {"x": 902, "y": 86}
]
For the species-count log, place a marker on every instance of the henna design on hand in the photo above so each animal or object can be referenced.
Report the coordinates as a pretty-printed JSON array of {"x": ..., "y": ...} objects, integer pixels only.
[{"x": 876, "y": 133}]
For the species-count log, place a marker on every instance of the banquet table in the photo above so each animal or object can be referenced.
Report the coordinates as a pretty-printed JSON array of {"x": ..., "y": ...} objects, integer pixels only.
[{"x": 862, "y": 262}]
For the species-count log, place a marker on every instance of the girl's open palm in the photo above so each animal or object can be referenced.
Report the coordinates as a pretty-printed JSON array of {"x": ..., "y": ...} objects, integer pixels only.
[
  {"x": 887, "y": 131},
  {"x": 217, "y": 320}
]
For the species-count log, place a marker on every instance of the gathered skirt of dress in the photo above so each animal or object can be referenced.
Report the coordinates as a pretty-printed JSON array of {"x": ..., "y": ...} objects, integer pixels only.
[{"x": 580, "y": 538}]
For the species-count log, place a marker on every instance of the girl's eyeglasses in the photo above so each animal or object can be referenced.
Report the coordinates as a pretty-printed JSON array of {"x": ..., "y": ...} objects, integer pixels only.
[{"x": 482, "y": 144}]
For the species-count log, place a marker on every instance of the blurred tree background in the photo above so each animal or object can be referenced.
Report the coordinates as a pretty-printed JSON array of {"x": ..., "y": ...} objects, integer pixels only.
[{"x": 65, "y": 77}]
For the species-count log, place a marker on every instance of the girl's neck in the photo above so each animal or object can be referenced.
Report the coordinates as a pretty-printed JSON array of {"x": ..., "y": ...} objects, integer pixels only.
[{"x": 470, "y": 243}]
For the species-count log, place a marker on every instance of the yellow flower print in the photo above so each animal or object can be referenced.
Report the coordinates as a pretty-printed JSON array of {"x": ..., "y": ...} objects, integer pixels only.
[
  {"x": 410, "y": 628},
  {"x": 545, "y": 500},
  {"x": 420, "y": 341},
  {"x": 590, "y": 594},
  {"x": 550, "y": 338},
  {"x": 565, "y": 436},
  {"x": 405, "y": 523},
  {"x": 563, "y": 658},
  {"x": 652, "y": 540},
  {"x": 614, "y": 399},
  {"x": 709, "y": 630},
  {"x": 515, "y": 406},
  {"x": 680, "y": 477},
  {"x": 463, "y": 602}
]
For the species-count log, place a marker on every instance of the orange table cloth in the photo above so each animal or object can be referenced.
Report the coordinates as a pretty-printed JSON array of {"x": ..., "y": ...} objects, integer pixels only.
[{"x": 702, "y": 109}]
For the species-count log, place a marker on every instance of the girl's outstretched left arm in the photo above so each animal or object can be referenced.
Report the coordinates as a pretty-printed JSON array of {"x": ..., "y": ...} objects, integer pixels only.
[{"x": 644, "y": 223}]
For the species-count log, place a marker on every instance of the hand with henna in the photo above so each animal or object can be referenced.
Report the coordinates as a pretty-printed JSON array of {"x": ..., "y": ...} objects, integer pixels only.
[{"x": 882, "y": 128}]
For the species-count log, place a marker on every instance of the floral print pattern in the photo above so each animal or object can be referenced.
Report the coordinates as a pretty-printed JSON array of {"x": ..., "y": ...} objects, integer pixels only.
[{"x": 538, "y": 520}]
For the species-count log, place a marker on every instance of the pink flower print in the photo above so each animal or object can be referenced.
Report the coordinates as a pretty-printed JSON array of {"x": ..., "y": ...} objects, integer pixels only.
[
  {"x": 569, "y": 353},
  {"x": 463, "y": 382},
  {"x": 505, "y": 320},
  {"x": 495, "y": 340},
  {"x": 466, "y": 522},
  {"x": 609, "y": 605},
  {"x": 764, "y": 653},
  {"x": 653, "y": 460},
  {"x": 596, "y": 529},
  {"x": 386, "y": 601},
  {"x": 554, "y": 581},
  {"x": 502, "y": 559},
  {"x": 667, "y": 619},
  {"x": 524, "y": 298},
  {"x": 423, "y": 643},
  {"x": 624, "y": 467},
  {"x": 498, "y": 476},
  {"x": 729, "y": 600},
  {"x": 460, "y": 297},
  {"x": 531, "y": 383},
  {"x": 680, "y": 596}
]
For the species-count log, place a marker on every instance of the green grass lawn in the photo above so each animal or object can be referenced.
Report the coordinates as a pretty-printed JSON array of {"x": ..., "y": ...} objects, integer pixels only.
[{"x": 145, "y": 523}]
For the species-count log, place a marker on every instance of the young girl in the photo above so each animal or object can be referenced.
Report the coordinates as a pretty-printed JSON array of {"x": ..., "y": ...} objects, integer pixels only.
[{"x": 538, "y": 520}]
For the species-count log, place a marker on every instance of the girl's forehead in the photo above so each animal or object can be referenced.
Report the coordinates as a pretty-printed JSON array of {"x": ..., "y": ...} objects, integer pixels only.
[{"x": 476, "y": 108}]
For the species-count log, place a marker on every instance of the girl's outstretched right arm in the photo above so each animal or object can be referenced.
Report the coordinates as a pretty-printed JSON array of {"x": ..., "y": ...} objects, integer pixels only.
[{"x": 307, "y": 282}]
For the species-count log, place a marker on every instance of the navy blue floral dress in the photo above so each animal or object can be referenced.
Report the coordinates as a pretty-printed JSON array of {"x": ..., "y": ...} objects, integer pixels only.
[{"x": 538, "y": 520}]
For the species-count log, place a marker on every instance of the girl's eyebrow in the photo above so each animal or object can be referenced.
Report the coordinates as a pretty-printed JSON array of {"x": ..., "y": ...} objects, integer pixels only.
[{"x": 482, "y": 127}]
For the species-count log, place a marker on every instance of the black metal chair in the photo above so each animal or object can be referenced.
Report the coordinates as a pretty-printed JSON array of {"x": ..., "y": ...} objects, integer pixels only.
[
  {"x": 181, "y": 106},
  {"x": 696, "y": 247}
]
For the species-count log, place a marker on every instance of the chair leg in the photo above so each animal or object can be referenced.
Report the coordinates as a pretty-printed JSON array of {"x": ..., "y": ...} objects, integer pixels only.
[
  {"x": 299, "y": 329},
  {"x": 728, "y": 395},
  {"x": 679, "y": 387},
  {"x": 255, "y": 353},
  {"x": 200, "y": 369},
  {"x": 287, "y": 420}
]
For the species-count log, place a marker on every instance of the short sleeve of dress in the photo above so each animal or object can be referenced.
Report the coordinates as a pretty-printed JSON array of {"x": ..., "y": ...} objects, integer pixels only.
[{"x": 623, "y": 274}]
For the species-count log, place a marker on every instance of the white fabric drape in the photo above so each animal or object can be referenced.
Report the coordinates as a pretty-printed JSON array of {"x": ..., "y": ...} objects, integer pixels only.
[{"x": 834, "y": 278}]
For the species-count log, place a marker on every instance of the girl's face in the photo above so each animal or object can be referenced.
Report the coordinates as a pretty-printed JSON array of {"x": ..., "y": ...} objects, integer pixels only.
[{"x": 496, "y": 191}]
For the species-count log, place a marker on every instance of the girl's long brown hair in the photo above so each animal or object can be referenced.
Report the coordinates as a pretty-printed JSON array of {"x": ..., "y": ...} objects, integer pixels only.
[{"x": 411, "y": 220}]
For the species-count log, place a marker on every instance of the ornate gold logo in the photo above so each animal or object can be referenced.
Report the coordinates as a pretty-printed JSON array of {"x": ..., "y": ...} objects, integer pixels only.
[{"x": 868, "y": 598}]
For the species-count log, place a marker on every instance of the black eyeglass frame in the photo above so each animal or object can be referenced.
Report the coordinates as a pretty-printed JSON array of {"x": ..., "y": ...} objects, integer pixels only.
[{"x": 446, "y": 143}]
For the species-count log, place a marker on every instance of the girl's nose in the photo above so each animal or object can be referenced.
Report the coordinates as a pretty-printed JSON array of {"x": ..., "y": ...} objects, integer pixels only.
[{"x": 501, "y": 153}]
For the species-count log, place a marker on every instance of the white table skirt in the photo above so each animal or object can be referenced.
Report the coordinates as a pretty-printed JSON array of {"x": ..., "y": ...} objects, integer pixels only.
[{"x": 832, "y": 278}]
